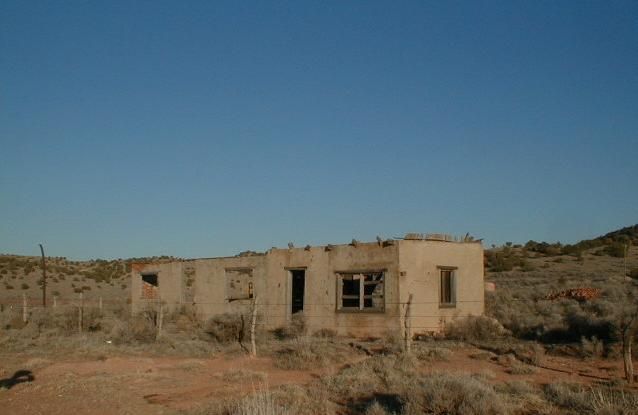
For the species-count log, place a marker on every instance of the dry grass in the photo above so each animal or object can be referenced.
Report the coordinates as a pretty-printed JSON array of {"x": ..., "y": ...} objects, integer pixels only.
[
  {"x": 287, "y": 399},
  {"x": 593, "y": 400},
  {"x": 454, "y": 394},
  {"x": 518, "y": 368},
  {"x": 259, "y": 403},
  {"x": 475, "y": 328},
  {"x": 311, "y": 353},
  {"x": 519, "y": 301},
  {"x": 431, "y": 353},
  {"x": 391, "y": 384}
]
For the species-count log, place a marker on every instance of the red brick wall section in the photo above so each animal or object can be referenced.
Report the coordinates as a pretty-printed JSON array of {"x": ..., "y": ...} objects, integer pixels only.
[{"x": 149, "y": 291}]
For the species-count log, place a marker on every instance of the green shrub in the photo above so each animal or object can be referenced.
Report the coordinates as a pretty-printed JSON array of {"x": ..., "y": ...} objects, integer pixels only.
[{"x": 24, "y": 286}]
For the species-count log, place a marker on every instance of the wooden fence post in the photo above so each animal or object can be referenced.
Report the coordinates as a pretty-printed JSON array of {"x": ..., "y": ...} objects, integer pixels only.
[
  {"x": 253, "y": 323},
  {"x": 24, "y": 308},
  {"x": 55, "y": 301},
  {"x": 100, "y": 304},
  {"x": 160, "y": 317},
  {"x": 44, "y": 278},
  {"x": 407, "y": 322},
  {"x": 81, "y": 312}
]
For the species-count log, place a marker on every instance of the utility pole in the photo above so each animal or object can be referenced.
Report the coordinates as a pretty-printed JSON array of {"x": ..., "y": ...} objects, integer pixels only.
[{"x": 44, "y": 278}]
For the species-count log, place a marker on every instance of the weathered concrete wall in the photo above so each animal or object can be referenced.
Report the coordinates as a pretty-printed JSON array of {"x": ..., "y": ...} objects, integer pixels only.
[
  {"x": 320, "y": 303},
  {"x": 211, "y": 296},
  {"x": 419, "y": 263},
  {"x": 169, "y": 285},
  {"x": 409, "y": 267}
]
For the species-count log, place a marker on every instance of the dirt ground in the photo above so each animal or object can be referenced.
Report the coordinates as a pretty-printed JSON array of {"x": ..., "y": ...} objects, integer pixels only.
[{"x": 169, "y": 385}]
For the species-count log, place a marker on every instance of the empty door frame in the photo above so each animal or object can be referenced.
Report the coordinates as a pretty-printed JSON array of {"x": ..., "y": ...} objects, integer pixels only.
[{"x": 292, "y": 271}]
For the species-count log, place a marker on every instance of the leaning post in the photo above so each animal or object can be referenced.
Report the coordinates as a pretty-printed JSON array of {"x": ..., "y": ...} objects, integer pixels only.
[
  {"x": 407, "y": 323},
  {"x": 253, "y": 323},
  {"x": 160, "y": 316},
  {"x": 81, "y": 312},
  {"x": 24, "y": 308},
  {"x": 44, "y": 278}
]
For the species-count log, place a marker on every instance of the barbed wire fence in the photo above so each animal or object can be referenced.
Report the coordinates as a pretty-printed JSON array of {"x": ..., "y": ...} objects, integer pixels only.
[{"x": 399, "y": 316}]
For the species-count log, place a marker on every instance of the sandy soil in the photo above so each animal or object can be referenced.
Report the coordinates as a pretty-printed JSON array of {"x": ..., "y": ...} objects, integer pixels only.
[
  {"x": 123, "y": 385},
  {"x": 166, "y": 385}
]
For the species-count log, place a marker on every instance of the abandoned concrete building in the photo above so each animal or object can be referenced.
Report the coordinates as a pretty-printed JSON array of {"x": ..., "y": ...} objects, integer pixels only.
[{"x": 356, "y": 289}]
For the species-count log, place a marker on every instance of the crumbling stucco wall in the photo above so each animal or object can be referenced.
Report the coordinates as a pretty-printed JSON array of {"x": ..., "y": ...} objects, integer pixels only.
[
  {"x": 420, "y": 264},
  {"x": 320, "y": 302},
  {"x": 409, "y": 266},
  {"x": 169, "y": 288}
]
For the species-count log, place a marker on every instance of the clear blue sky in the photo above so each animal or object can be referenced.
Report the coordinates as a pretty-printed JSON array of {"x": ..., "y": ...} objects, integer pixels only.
[{"x": 206, "y": 128}]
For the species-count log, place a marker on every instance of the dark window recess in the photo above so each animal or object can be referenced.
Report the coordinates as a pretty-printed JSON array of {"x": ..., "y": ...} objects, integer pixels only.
[
  {"x": 150, "y": 279},
  {"x": 150, "y": 285},
  {"x": 351, "y": 286},
  {"x": 298, "y": 289},
  {"x": 448, "y": 294},
  {"x": 362, "y": 291}
]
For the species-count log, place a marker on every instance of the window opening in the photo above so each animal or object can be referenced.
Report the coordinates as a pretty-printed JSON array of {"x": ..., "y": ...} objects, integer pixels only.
[
  {"x": 239, "y": 284},
  {"x": 448, "y": 287},
  {"x": 362, "y": 291},
  {"x": 150, "y": 286},
  {"x": 298, "y": 289}
]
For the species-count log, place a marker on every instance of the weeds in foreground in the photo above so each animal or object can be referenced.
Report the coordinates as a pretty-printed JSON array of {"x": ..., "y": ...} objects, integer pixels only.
[
  {"x": 310, "y": 353},
  {"x": 600, "y": 400}
]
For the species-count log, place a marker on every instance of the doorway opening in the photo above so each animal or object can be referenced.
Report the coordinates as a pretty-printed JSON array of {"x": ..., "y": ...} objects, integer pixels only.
[{"x": 298, "y": 288}]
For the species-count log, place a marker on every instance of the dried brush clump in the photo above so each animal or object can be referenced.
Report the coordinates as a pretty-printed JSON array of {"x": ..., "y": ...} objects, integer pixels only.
[
  {"x": 453, "y": 394},
  {"x": 310, "y": 353},
  {"x": 228, "y": 327},
  {"x": 287, "y": 399},
  {"x": 591, "y": 400},
  {"x": 294, "y": 330},
  {"x": 475, "y": 328}
]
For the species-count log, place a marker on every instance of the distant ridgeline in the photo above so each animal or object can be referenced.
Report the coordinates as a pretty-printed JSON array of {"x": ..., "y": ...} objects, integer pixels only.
[
  {"x": 613, "y": 244},
  {"x": 510, "y": 256}
]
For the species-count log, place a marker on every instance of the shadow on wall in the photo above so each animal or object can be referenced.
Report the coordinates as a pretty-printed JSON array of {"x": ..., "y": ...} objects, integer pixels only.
[{"x": 18, "y": 377}]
